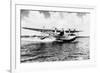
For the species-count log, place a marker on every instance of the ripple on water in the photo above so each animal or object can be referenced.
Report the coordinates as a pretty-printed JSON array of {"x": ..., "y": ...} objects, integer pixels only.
[{"x": 40, "y": 52}]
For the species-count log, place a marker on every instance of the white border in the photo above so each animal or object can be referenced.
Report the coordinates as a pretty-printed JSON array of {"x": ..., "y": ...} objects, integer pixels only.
[{"x": 15, "y": 64}]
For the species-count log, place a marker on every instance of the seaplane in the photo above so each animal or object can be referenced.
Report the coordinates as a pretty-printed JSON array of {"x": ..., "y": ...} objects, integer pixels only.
[{"x": 54, "y": 34}]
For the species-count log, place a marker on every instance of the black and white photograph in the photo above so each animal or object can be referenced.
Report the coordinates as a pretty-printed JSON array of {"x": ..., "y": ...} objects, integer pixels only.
[{"x": 51, "y": 36}]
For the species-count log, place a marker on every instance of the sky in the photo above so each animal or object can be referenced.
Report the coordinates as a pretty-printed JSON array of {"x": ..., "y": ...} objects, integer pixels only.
[{"x": 52, "y": 19}]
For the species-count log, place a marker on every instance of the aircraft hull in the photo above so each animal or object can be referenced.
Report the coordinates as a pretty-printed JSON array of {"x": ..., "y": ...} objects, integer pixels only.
[
  {"x": 67, "y": 39},
  {"x": 48, "y": 40}
]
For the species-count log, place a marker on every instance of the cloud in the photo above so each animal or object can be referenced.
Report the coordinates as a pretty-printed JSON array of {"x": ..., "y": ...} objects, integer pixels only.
[
  {"x": 45, "y": 13},
  {"x": 61, "y": 15},
  {"x": 24, "y": 13},
  {"x": 80, "y": 14},
  {"x": 50, "y": 19}
]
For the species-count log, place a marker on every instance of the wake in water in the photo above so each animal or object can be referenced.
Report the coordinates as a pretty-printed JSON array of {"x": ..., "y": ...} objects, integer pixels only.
[{"x": 55, "y": 51}]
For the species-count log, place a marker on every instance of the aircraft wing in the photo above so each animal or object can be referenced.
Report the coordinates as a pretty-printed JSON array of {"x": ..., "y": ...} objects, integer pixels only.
[
  {"x": 41, "y": 30},
  {"x": 51, "y": 30},
  {"x": 83, "y": 36}
]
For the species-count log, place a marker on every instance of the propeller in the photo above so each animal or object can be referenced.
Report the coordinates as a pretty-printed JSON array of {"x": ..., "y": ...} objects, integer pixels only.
[{"x": 72, "y": 31}]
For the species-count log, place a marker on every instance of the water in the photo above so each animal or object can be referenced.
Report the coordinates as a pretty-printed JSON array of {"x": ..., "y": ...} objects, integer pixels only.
[{"x": 55, "y": 51}]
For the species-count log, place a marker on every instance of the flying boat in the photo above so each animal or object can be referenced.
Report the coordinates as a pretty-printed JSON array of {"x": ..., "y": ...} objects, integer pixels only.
[{"x": 59, "y": 35}]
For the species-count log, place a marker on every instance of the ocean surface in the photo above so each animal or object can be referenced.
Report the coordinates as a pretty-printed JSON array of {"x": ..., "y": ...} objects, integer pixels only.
[{"x": 54, "y": 51}]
